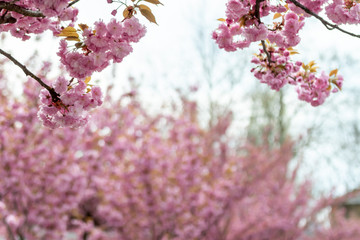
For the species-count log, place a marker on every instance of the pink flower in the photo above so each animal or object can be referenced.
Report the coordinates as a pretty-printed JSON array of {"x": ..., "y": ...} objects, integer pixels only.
[
  {"x": 96, "y": 94},
  {"x": 120, "y": 50},
  {"x": 114, "y": 28},
  {"x": 133, "y": 30},
  {"x": 236, "y": 9},
  {"x": 255, "y": 33},
  {"x": 71, "y": 108},
  {"x": 60, "y": 85},
  {"x": 107, "y": 42}
]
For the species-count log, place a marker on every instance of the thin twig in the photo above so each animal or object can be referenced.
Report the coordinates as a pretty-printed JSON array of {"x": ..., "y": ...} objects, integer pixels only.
[
  {"x": 21, "y": 10},
  {"x": 54, "y": 95},
  {"x": 268, "y": 55},
  {"x": 73, "y": 2},
  {"x": 257, "y": 15},
  {"x": 257, "y": 9},
  {"x": 327, "y": 24}
]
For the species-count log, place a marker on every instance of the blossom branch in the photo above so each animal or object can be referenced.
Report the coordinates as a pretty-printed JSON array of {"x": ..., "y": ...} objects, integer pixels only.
[
  {"x": 257, "y": 15},
  {"x": 7, "y": 18},
  {"x": 268, "y": 55},
  {"x": 21, "y": 10},
  {"x": 73, "y": 2},
  {"x": 327, "y": 24},
  {"x": 257, "y": 9},
  {"x": 54, "y": 95}
]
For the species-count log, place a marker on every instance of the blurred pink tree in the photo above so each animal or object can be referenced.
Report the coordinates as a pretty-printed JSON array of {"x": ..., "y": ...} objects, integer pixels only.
[{"x": 135, "y": 175}]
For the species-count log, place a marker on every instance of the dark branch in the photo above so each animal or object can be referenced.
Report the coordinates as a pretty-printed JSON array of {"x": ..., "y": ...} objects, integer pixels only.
[
  {"x": 257, "y": 9},
  {"x": 21, "y": 10},
  {"x": 257, "y": 15},
  {"x": 7, "y": 18},
  {"x": 54, "y": 95},
  {"x": 268, "y": 55},
  {"x": 73, "y": 2},
  {"x": 327, "y": 24}
]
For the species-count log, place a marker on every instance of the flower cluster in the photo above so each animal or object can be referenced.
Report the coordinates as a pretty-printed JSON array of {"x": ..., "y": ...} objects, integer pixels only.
[
  {"x": 243, "y": 26},
  {"x": 99, "y": 46},
  {"x": 280, "y": 70},
  {"x": 70, "y": 110},
  {"x": 344, "y": 11},
  {"x": 314, "y": 6},
  {"x": 315, "y": 89},
  {"x": 277, "y": 72},
  {"x": 34, "y": 16},
  {"x": 95, "y": 48},
  {"x": 286, "y": 33},
  {"x": 51, "y": 8},
  {"x": 241, "y": 29}
]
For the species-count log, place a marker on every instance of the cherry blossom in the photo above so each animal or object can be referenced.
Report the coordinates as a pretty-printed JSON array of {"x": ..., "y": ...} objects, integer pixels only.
[
  {"x": 243, "y": 25},
  {"x": 103, "y": 43}
]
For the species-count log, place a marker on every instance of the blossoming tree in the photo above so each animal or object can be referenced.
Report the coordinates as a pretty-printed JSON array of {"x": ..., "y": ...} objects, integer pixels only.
[{"x": 133, "y": 175}]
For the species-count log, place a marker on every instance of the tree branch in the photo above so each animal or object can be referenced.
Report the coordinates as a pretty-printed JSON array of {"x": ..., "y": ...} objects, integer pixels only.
[
  {"x": 21, "y": 10},
  {"x": 73, "y": 2},
  {"x": 257, "y": 15},
  {"x": 7, "y": 18},
  {"x": 268, "y": 55},
  {"x": 328, "y": 25},
  {"x": 55, "y": 96},
  {"x": 257, "y": 9}
]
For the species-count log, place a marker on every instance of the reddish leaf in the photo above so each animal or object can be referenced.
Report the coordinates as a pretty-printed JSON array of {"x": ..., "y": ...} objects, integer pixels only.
[
  {"x": 146, "y": 12},
  {"x": 156, "y": 2}
]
